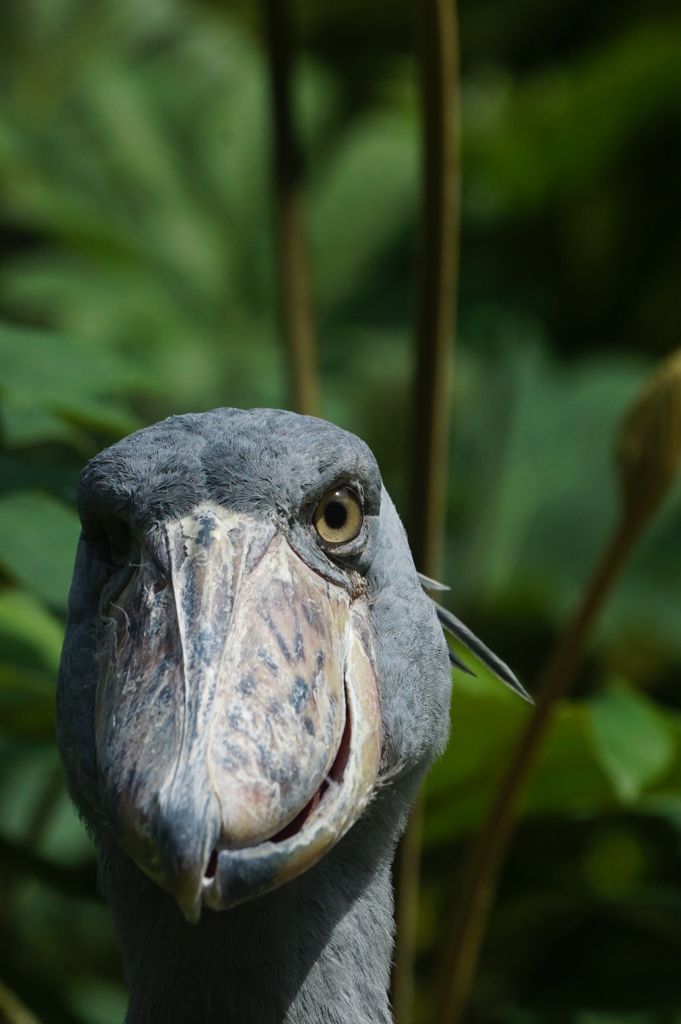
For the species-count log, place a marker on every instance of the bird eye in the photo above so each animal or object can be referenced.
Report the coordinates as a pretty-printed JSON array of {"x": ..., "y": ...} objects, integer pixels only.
[
  {"x": 338, "y": 516},
  {"x": 119, "y": 536}
]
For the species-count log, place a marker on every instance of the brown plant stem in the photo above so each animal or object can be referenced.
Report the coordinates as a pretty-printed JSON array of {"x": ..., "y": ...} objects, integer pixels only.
[
  {"x": 439, "y": 270},
  {"x": 464, "y": 937},
  {"x": 294, "y": 270},
  {"x": 434, "y": 347},
  {"x": 12, "y": 1010},
  {"x": 406, "y": 885}
]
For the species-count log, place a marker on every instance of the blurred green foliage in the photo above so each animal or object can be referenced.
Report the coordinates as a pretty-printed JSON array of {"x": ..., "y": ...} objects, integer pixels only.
[{"x": 137, "y": 278}]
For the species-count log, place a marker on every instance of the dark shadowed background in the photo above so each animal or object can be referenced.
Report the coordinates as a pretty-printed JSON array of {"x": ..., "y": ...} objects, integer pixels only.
[{"x": 138, "y": 279}]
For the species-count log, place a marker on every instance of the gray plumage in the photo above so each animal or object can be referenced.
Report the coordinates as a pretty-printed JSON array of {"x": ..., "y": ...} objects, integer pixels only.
[{"x": 318, "y": 948}]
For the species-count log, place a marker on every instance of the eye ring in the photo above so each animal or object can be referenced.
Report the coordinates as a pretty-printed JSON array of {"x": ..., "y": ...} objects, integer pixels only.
[{"x": 339, "y": 516}]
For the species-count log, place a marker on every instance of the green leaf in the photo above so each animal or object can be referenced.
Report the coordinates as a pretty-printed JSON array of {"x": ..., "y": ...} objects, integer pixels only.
[
  {"x": 29, "y": 681},
  {"x": 541, "y": 434},
  {"x": 486, "y": 724},
  {"x": 485, "y": 719},
  {"x": 47, "y": 379},
  {"x": 366, "y": 199},
  {"x": 631, "y": 739},
  {"x": 96, "y": 1001},
  {"x": 23, "y": 618},
  {"x": 27, "y": 702},
  {"x": 568, "y": 778},
  {"x": 38, "y": 540},
  {"x": 527, "y": 144}
]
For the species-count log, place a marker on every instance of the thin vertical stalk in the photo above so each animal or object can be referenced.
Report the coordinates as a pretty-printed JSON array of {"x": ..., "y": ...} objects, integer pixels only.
[
  {"x": 434, "y": 348},
  {"x": 439, "y": 271},
  {"x": 406, "y": 886},
  {"x": 464, "y": 937},
  {"x": 294, "y": 269}
]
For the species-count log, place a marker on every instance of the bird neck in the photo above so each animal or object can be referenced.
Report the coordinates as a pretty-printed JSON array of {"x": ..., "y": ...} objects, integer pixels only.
[{"x": 315, "y": 951}]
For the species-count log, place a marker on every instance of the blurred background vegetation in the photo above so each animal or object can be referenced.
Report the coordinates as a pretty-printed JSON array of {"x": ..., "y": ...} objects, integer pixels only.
[{"x": 138, "y": 279}]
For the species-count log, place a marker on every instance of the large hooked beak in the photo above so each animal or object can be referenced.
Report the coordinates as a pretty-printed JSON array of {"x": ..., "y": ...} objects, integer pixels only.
[{"x": 238, "y": 720}]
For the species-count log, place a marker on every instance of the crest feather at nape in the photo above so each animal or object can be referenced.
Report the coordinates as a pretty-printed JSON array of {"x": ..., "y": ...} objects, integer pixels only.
[{"x": 478, "y": 649}]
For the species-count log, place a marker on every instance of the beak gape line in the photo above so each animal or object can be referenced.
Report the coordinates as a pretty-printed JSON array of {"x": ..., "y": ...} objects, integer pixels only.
[{"x": 238, "y": 719}]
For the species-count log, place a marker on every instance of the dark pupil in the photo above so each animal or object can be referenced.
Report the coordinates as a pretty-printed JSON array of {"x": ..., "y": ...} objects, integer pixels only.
[{"x": 335, "y": 515}]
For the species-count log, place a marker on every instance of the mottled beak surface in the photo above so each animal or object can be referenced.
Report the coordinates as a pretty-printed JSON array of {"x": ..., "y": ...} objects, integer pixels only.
[{"x": 238, "y": 720}]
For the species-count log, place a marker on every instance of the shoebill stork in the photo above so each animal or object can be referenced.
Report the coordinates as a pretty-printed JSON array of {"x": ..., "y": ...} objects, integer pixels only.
[{"x": 252, "y": 686}]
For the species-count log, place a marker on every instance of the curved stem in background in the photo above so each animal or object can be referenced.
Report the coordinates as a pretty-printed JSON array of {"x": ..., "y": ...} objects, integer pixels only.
[
  {"x": 463, "y": 941},
  {"x": 294, "y": 267},
  {"x": 434, "y": 347}
]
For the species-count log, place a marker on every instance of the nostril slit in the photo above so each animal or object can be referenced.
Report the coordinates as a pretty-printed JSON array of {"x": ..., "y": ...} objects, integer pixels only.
[{"x": 212, "y": 865}]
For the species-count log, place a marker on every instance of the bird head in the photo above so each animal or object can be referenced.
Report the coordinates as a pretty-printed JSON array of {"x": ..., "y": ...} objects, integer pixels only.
[{"x": 249, "y": 655}]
